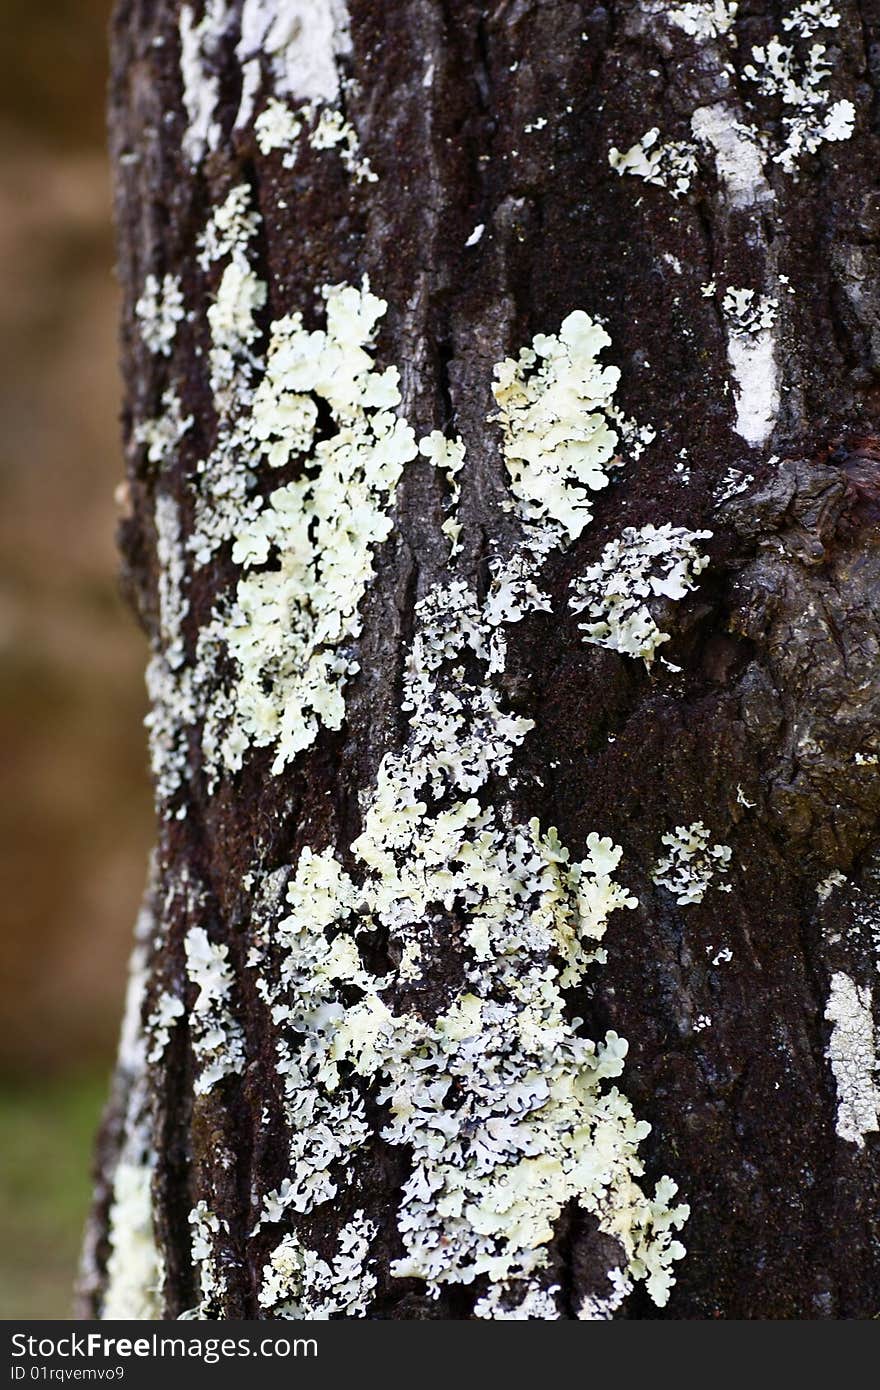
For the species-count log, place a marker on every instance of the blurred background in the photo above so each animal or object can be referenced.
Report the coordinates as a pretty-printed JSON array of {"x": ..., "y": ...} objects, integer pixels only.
[{"x": 75, "y": 811}]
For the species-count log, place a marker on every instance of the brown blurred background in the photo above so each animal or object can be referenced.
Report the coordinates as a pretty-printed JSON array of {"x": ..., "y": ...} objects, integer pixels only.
[{"x": 76, "y": 817}]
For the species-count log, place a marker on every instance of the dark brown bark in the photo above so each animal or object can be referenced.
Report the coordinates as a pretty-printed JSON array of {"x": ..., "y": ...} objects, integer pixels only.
[{"x": 779, "y": 683}]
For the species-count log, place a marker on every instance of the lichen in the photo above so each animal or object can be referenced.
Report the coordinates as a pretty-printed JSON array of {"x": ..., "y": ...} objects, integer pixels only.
[
  {"x": 748, "y": 313},
  {"x": 704, "y": 19},
  {"x": 834, "y": 880},
  {"x": 230, "y": 228},
  {"x": 159, "y": 310},
  {"x": 134, "y": 1270},
  {"x": 596, "y": 1308},
  {"x": 640, "y": 566},
  {"x": 205, "y": 1227},
  {"x": 504, "y": 1106},
  {"x": 226, "y": 479},
  {"x": 740, "y": 151},
  {"x": 798, "y": 80},
  {"x": 669, "y": 164},
  {"x": 795, "y": 74},
  {"x": 811, "y": 16},
  {"x": 750, "y": 319},
  {"x": 170, "y": 681},
  {"x": 298, "y": 43},
  {"x": 852, "y": 1052},
  {"x": 160, "y": 436},
  {"x": 200, "y": 44},
  {"x": 536, "y": 1305},
  {"x": 290, "y": 632},
  {"x": 298, "y": 1284},
  {"x": 507, "y": 1110},
  {"x": 559, "y": 423},
  {"x": 133, "y": 1266},
  {"x": 447, "y": 456},
  {"x": 691, "y": 864},
  {"x": 216, "y": 1036},
  {"x": 279, "y": 127},
  {"x": 166, "y": 1011},
  {"x": 500, "y": 1100}
]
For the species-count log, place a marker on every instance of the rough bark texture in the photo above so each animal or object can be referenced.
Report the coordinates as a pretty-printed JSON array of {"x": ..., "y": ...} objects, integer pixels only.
[{"x": 766, "y": 724}]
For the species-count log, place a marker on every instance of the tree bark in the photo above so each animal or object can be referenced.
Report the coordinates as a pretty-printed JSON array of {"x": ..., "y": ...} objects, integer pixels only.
[{"x": 359, "y": 1076}]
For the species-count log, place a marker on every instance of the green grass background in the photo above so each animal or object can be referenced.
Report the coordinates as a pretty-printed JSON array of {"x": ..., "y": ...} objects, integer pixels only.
[{"x": 46, "y": 1136}]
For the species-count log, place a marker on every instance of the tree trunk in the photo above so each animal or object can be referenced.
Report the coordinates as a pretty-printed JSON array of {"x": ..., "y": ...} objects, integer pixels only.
[{"x": 501, "y": 387}]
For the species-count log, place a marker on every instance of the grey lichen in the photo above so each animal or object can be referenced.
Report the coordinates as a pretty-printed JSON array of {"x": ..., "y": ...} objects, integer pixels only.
[
  {"x": 641, "y": 568},
  {"x": 852, "y": 1052},
  {"x": 504, "y": 1105}
]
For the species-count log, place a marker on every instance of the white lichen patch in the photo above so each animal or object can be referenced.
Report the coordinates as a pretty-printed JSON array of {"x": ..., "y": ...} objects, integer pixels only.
[
  {"x": 798, "y": 79},
  {"x": 333, "y": 131},
  {"x": 294, "y": 45},
  {"x": 216, "y": 1036},
  {"x": 133, "y": 1268},
  {"x": 735, "y": 482},
  {"x": 537, "y": 1305},
  {"x": 279, "y": 127},
  {"x": 601, "y": 1308},
  {"x": 169, "y": 678},
  {"x": 691, "y": 864},
  {"x": 504, "y": 1106},
  {"x": 704, "y": 19},
  {"x": 506, "y": 1109},
  {"x": 852, "y": 1052},
  {"x": 298, "y": 1284},
  {"x": 811, "y": 16},
  {"x": 200, "y": 44},
  {"x": 161, "y": 435},
  {"x": 297, "y": 44},
  {"x": 560, "y": 426},
  {"x": 227, "y": 478},
  {"x": 834, "y": 880},
  {"x": 447, "y": 456},
  {"x": 641, "y": 566},
  {"x": 755, "y": 374},
  {"x": 205, "y": 1227},
  {"x": 750, "y": 321},
  {"x": 159, "y": 310},
  {"x": 166, "y": 1012},
  {"x": 134, "y": 1272},
  {"x": 670, "y": 164},
  {"x": 740, "y": 152},
  {"x": 747, "y": 313},
  {"x": 290, "y": 626},
  {"x": 229, "y": 229}
]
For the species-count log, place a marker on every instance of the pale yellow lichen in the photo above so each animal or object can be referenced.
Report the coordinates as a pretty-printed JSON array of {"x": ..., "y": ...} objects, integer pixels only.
[{"x": 560, "y": 439}]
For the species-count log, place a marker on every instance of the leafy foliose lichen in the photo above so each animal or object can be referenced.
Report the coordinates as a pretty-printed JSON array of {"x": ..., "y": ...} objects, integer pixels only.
[
  {"x": 508, "y": 1110},
  {"x": 634, "y": 572},
  {"x": 559, "y": 424}
]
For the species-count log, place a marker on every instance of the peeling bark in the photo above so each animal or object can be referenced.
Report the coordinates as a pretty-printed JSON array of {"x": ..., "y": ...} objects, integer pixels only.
[{"x": 759, "y": 717}]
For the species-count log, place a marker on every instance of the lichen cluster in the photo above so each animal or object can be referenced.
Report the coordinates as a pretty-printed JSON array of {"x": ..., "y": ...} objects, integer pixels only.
[
  {"x": 794, "y": 72},
  {"x": 505, "y": 1108},
  {"x": 500, "y": 1099},
  {"x": 691, "y": 863},
  {"x": 633, "y": 573}
]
